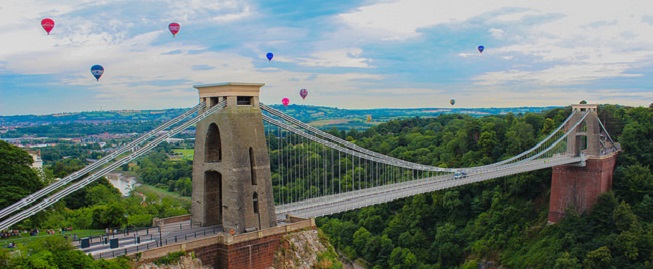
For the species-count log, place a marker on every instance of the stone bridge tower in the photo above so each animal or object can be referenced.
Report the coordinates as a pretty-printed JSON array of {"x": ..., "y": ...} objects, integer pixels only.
[
  {"x": 232, "y": 186},
  {"x": 578, "y": 186}
]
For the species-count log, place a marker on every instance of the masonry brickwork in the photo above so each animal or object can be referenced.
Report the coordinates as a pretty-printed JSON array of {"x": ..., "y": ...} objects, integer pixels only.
[
  {"x": 251, "y": 250},
  {"x": 253, "y": 254},
  {"x": 578, "y": 187}
]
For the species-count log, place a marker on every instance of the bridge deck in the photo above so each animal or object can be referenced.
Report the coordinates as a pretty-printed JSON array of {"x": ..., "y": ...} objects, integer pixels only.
[{"x": 332, "y": 204}]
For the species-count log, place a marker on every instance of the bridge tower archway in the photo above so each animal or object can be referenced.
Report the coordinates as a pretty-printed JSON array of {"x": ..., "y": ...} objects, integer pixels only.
[{"x": 231, "y": 164}]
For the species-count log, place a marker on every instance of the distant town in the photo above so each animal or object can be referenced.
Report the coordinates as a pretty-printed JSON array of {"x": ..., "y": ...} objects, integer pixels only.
[{"x": 109, "y": 129}]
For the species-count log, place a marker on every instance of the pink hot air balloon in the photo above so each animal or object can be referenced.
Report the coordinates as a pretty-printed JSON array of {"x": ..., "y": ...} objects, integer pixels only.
[
  {"x": 285, "y": 101},
  {"x": 303, "y": 93},
  {"x": 47, "y": 25},
  {"x": 174, "y": 28}
]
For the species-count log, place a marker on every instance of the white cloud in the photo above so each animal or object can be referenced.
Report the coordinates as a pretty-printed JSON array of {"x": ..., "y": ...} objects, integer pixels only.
[
  {"x": 555, "y": 76},
  {"x": 336, "y": 58},
  {"x": 544, "y": 44},
  {"x": 497, "y": 33},
  {"x": 401, "y": 19},
  {"x": 202, "y": 11}
]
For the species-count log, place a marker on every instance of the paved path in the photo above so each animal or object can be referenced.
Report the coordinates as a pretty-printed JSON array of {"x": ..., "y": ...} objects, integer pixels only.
[{"x": 128, "y": 241}]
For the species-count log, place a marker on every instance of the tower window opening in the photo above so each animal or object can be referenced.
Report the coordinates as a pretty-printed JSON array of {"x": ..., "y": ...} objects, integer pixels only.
[
  {"x": 213, "y": 144},
  {"x": 251, "y": 167},
  {"x": 244, "y": 100},
  {"x": 255, "y": 200},
  {"x": 214, "y": 101}
]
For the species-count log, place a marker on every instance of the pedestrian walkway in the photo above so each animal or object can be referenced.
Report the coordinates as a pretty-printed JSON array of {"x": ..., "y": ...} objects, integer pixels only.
[{"x": 136, "y": 240}]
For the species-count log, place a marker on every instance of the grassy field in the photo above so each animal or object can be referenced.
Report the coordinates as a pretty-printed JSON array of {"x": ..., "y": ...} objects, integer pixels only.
[
  {"x": 187, "y": 154},
  {"x": 162, "y": 193},
  {"x": 26, "y": 238},
  {"x": 321, "y": 123}
]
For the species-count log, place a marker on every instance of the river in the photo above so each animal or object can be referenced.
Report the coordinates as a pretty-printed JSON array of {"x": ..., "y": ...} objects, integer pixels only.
[{"x": 123, "y": 183}]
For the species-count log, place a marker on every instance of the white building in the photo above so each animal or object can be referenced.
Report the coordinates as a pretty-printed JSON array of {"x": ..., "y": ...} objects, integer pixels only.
[{"x": 38, "y": 162}]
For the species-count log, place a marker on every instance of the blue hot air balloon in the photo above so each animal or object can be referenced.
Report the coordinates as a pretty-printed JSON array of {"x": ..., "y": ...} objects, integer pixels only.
[
  {"x": 269, "y": 55},
  {"x": 480, "y": 49},
  {"x": 97, "y": 71}
]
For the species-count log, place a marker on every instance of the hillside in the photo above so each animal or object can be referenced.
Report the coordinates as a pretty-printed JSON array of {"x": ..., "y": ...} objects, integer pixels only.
[{"x": 502, "y": 221}]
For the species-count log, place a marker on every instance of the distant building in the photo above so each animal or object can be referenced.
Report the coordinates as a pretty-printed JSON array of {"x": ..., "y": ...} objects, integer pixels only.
[
  {"x": 174, "y": 141},
  {"x": 38, "y": 162}
]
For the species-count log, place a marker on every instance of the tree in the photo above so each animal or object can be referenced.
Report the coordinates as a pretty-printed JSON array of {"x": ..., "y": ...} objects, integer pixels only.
[
  {"x": 548, "y": 126},
  {"x": 634, "y": 182},
  {"x": 17, "y": 178},
  {"x": 637, "y": 141},
  {"x": 361, "y": 237},
  {"x": 598, "y": 259},
  {"x": 112, "y": 215},
  {"x": 101, "y": 195},
  {"x": 521, "y": 138},
  {"x": 67, "y": 166},
  {"x": 403, "y": 258},
  {"x": 566, "y": 261},
  {"x": 624, "y": 218}
]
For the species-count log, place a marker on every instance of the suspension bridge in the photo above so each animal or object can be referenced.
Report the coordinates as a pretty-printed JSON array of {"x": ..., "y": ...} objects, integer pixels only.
[{"x": 314, "y": 173}]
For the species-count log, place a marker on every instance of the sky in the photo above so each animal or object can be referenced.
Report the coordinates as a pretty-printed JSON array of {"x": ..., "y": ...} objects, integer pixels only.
[{"x": 347, "y": 54}]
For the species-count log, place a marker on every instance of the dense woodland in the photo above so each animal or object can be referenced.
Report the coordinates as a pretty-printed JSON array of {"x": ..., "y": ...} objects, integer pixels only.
[{"x": 501, "y": 221}]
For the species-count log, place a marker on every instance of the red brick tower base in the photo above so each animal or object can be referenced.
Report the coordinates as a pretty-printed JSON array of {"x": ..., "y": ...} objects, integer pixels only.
[
  {"x": 579, "y": 187},
  {"x": 256, "y": 253}
]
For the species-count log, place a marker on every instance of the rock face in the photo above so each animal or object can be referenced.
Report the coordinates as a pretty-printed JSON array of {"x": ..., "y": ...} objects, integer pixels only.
[
  {"x": 300, "y": 250},
  {"x": 185, "y": 262}
]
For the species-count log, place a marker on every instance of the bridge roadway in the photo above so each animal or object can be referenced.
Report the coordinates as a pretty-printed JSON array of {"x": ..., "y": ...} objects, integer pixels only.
[{"x": 332, "y": 204}]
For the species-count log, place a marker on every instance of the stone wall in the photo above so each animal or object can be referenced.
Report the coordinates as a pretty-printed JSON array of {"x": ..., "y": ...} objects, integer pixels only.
[
  {"x": 249, "y": 250},
  {"x": 160, "y": 222},
  {"x": 579, "y": 187}
]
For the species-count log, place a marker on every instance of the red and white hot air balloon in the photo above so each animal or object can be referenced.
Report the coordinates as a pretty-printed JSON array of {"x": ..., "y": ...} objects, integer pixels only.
[
  {"x": 174, "y": 28},
  {"x": 47, "y": 25}
]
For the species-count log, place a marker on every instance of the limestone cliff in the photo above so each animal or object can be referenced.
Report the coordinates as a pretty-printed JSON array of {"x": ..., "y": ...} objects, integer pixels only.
[
  {"x": 185, "y": 262},
  {"x": 305, "y": 250}
]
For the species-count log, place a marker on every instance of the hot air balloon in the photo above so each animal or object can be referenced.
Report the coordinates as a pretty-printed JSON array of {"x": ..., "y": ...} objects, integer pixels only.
[
  {"x": 452, "y": 102},
  {"x": 480, "y": 49},
  {"x": 303, "y": 93},
  {"x": 369, "y": 118},
  {"x": 97, "y": 71},
  {"x": 174, "y": 28},
  {"x": 269, "y": 56},
  {"x": 47, "y": 25},
  {"x": 285, "y": 101}
]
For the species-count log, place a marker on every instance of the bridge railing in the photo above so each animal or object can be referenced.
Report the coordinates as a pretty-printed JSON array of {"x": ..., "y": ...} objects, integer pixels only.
[{"x": 133, "y": 247}]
